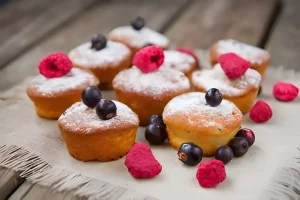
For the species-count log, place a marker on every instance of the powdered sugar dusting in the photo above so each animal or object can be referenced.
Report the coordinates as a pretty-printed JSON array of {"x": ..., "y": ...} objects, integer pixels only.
[
  {"x": 158, "y": 82},
  {"x": 75, "y": 78},
  {"x": 194, "y": 103},
  {"x": 80, "y": 118},
  {"x": 139, "y": 38},
  {"x": 111, "y": 55},
  {"x": 251, "y": 53},
  {"x": 216, "y": 78},
  {"x": 178, "y": 60}
]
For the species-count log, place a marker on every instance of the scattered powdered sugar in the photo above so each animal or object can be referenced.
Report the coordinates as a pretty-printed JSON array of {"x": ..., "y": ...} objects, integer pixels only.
[
  {"x": 195, "y": 103},
  {"x": 75, "y": 78},
  {"x": 139, "y": 38},
  {"x": 81, "y": 118},
  {"x": 216, "y": 78},
  {"x": 111, "y": 55},
  {"x": 178, "y": 60},
  {"x": 163, "y": 80},
  {"x": 251, "y": 53}
]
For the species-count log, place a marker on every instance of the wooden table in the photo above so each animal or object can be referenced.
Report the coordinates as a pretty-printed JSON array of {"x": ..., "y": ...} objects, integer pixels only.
[{"x": 35, "y": 28}]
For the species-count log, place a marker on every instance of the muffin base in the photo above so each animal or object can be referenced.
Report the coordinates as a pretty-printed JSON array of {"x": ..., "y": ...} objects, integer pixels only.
[
  {"x": 243, "y": 102},
  {"x": 145, "y": 106},
  {"x": 102, "y": 146}
]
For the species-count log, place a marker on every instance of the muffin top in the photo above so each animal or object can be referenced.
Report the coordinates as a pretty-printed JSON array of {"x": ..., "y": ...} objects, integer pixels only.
[
  {"x": 81, "y": 119},
  {"x": 111, "y": 56},
  {"x": 162, "y": 81},
  {"x": 216, "y": 78},
  {"x": 74, "y": 80},
  {"x": 179, "y": 61},
  {"x": 251, "y": 53},
  {"x": 191, "y": 108},
  {"x": 138, "y": 38}
]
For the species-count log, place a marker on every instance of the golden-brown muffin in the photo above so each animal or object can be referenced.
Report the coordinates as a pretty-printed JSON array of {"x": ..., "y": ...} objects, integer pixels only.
[
  {"x": 137, "y": 39},
  {"x": 180, "y": 61},
  {"x": 259, "y": 58},
  {"x": 104, "y": 63},
  {"x": 90, "y": 138},
  {"x": 52, "y": 96},
  {"x": 148, "y": 93},
  {"x": 241, "y": 91},
  {"x": 190, "y": 119}
]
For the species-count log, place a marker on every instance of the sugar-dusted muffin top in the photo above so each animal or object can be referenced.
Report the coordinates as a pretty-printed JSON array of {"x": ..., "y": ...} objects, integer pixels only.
[
  {"x": 75, "y": 79},
  {"x": 163, "y": 80},
  {"x": 216, "y": 78},
  {"x": 138, "y": 38},
  {"x": 193, "y": 107},
  {"x": 81, "y": 119},
  {"x": 251, "y": 53},
  {"x": 111, "y": 56},
  {"x": 179, "y": 61}
]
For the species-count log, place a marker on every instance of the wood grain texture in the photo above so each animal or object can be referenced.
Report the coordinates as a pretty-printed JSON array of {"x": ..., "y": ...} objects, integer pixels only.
[
  {"x": 207, "y": 21},
  {"x": 9, "y": 181},
  {"x": 284, "y": 42},
  {"x": 102, "y": 18},
  {"x": 22, "y": 23}
]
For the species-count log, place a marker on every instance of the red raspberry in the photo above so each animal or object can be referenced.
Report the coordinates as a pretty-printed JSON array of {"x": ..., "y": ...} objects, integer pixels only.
[
  {"x": 55, "y": 65},
  {"x": 260, "y": 112},
  {"x": 211, "y": 173},
  {"x": 141, "y": 163},
  {"x": 284, "y": 91},
  {"x": 190, "y": 52},
  {"x": 149, "y": 58},
  {"x": 233, "y": 65}
]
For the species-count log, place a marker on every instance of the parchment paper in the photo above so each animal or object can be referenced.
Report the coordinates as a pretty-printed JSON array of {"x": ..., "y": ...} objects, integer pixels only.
[{"x": 250, "y": 177}]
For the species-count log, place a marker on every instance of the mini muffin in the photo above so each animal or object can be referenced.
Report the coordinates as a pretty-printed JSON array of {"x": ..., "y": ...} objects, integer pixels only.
[
  {"x": 89, "y": 138},
  {"x": 55, "y": 90},
  {"x": 189, "y": 118},
  {"x": 241, "y": 91},
  {"x": 259, "y": 58},
  {"x": 138, "y": 36},
  {"x": 180, "y": 61},
  {"x": 103, "y": 58}
]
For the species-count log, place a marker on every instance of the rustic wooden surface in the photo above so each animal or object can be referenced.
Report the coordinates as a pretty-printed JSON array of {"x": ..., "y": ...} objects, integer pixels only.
[
  {"x": 34, "y": 24},
  {"x": 284, "y": 42},
  {"x": 190, "y": 23},
  {"x": 208, "y": 21}
]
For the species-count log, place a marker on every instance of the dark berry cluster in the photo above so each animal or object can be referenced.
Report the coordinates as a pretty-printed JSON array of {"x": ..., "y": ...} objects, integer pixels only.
[
  {"x": 92, "y": 98},
  {"x": 237, "y": 147},
  {"x": 98, "y": 42},
  {"x": 156, "y": 132}
]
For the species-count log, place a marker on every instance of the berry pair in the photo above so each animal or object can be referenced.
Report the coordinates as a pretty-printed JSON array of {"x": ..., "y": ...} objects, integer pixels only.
[
  {"x": 156, "y": 132},
  {"x": 237, "y": 147},
  {"x": 92, "y": 98}
]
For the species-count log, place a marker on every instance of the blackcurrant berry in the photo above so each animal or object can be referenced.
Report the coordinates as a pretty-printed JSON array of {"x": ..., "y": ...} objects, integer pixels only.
[
  {"x": 190, "y": 154},
  {"x": 106, "y": 109},
  {"x": 213, "y": 97},
  {"x": 137, "y": 23},
  {"x": 98, "y": 42},
  {"x": 247, "y": 134},
  {"x": 155, "y": 119},
  {"x": 224, "y": 153},
  {"x": 91, "y": 96},
  {"x": 239, "y": 146},
  {"x": 156, "y": 134}
]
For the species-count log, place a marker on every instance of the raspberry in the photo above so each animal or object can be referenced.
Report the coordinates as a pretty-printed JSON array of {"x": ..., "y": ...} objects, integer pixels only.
[
  {"x": 260, "y": 112},
  {"x": 55, "y": 65},
  {"x": 149, "y": 58},
  {"x": 211, "y": 173},
  {"x": 233, "y": 65},
  {"x": 141, "y": 163},
  {"x": 284, "y": 91},
  {"x": 189, "y": 52}
]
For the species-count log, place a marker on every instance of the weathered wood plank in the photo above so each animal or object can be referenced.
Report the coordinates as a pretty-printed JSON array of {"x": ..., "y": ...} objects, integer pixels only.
[
  {"x": 22, "y": 23},
  {"x": 9, "y": 181},
  {"x": 101, "y": 18},
  {"x": 205, "y": 22},
  {"x": 284, "y": 42}
]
